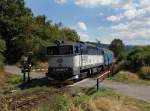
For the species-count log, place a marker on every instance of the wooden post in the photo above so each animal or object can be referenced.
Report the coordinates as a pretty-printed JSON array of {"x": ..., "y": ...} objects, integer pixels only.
[
  {"x": 101, "y": 78},
  {"x": 97, "y": 84},
  {"x": 24, "y": 76},
  {"x": 28, "y": 76}
]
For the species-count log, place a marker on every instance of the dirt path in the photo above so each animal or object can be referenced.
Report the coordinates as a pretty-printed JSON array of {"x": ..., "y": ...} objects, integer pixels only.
[
  {"x": 137, "y": 91},
  {"x": 17, "y": 71}
]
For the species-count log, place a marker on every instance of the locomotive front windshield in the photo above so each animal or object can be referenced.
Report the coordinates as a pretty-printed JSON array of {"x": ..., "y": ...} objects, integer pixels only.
[{"x": 60, "y": 50}]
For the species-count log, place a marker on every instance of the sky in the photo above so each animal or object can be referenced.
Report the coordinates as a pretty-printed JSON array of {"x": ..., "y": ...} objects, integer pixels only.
[{"x": 103, "y": 20}]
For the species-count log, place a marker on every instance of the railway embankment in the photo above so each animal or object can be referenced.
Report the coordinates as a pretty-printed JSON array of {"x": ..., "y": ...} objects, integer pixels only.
[
  {"x": 48, "y": 98},
  {"x": 40, "y": 95},
  {"x": 140, "y": 91}
]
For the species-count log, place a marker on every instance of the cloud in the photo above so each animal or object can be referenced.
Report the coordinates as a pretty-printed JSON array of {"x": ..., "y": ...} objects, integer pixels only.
[
  {"x": 99, "y": 3},
  {"x": 131, "y": 13},
  {"x": 133, "y": 30},
  {"x": 144, "y": 3},
  {"x": 60, "y": 1},
  {"x": 82, "y": 26},
  {"x": 84, "y": 36},
  {"x": 121, "y": 26},
  {"x": 114, "y": 18},
  {"x": 81, "y": 29},
  {"x": 132, "y": 21}
]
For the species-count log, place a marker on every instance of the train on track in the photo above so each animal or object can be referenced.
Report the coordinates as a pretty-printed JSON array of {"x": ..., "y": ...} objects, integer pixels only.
[{"x": 67, "y": 60}]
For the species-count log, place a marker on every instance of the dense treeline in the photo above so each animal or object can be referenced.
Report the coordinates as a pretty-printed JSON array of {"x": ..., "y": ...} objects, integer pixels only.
[
  {"x": 117, "y": 46},
  {"x": 22, "y": 32},
  {"x": 140, "y": 56},
  {"x": 136, "y": 60},
  {"x": 2, "y": 50}
]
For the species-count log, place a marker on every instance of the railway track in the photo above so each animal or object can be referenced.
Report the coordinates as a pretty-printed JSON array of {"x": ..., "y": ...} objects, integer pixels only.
[{"x": 25, "y": 102}]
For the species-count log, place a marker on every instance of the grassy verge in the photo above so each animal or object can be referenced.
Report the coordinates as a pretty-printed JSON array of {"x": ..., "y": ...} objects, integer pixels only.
[
  {"x": 8, "y": 83},
  {"x": 129, "y": 78},
  {"x": 74, "y": 99},
  {"x": 90, "y": 100}
]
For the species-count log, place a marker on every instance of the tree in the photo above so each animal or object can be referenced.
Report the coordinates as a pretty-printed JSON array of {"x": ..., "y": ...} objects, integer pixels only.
[
  {"x": 70, "y": 35},
  {"x": 117, "y": 46},
  {"x": 139, "y": 56},
  {"x": 23, "y": 32},
  {"x": 2, "y": 50}
]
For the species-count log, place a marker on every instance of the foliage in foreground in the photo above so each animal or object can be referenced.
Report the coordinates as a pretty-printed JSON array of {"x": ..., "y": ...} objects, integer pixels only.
[
  {"x": 74, "y": 99},
  {"x": 90, "y": 100}
]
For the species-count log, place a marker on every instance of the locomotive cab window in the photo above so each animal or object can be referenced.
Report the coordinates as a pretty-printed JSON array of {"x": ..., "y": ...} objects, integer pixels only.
[
  {"x": 60, "y": 50},
  {"x": 76, "y": 50}
]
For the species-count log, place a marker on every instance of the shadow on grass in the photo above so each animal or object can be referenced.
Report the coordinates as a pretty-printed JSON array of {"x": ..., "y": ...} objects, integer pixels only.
[
  {"x": 35, "y": 82},
  {"x": 90, "y": 91},
  {"x": 40, "y": 82}
]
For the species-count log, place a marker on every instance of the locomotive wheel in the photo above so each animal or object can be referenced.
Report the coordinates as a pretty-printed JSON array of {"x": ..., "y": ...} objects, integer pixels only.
[
  {"x": 89, "y": 74},
  {"x": 103, "y": 68}
]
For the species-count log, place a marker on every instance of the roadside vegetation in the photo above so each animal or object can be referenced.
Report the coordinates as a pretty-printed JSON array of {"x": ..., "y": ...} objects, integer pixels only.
[
  {"x": 48, "y": 98},
  {"x": 129, "y": 78},
  {"x": 132, "y": 63},
  {"x": 90, "y": 100},
  {"x": 39, "y": 95}
]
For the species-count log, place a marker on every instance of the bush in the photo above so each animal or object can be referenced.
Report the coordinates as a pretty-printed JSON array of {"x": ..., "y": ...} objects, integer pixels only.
[
  {"x": 2, "y": 50},
  {"x": 121, "y": 65},
  {"x": 138, "y": 57},
  {"x": 1, "y": 61},
  {"x": 145, "y": 72},
  {"x": 15, "y": 80}
]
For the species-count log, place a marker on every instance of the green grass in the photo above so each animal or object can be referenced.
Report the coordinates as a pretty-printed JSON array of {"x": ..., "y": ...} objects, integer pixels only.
[
  {"x": 15, "y": 80},
  {"x": 76, "y": 99},
  {"x": 95, "y": 101},
  {"x": 129, "y": 78}
]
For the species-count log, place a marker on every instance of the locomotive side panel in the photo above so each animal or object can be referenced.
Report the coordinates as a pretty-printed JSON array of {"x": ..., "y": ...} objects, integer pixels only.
[
  {"x": 108, "y": 57},
  {"x": 90, "y": 61},
  {"x": 77, "y": 64}
]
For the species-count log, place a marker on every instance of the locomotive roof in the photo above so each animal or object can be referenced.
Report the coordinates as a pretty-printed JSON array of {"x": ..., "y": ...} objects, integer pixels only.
[
  {"x": 74, "y": 43},
  {"x": 80, "y": 43}
]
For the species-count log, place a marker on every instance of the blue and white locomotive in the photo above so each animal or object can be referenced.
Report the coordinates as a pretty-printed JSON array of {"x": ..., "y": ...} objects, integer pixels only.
[{"x": 69, "y": 60}]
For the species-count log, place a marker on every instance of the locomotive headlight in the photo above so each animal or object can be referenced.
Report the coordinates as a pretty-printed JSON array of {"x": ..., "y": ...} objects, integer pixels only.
[{"x": 77, "y": 77}]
